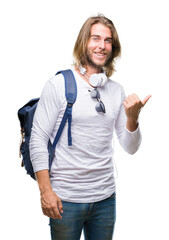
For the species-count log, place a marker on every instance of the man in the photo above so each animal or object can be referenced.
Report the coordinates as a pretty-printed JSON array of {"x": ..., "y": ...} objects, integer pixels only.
[{"x": 80, "y": 193}]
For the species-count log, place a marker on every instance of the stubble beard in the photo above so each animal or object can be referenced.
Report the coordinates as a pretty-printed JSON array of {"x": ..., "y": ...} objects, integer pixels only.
[{"x": 99, "y": 67}]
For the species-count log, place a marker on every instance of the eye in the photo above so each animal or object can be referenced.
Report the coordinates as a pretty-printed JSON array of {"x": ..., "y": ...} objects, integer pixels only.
[
  {"x": 108, "y": 40},
  {"x": 95, "y": 38}
]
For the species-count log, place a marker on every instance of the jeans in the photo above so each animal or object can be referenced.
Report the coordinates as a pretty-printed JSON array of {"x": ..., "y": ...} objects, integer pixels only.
[{"x": 96, "y": 219}]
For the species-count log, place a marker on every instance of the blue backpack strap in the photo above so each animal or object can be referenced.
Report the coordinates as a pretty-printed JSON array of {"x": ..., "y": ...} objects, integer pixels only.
[{"x": 70, "y": 94}]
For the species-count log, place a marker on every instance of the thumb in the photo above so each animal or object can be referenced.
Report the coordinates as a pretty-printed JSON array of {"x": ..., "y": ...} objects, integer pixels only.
[
  {"x": 146, "y": 99},
  {"x": 60, "y": 206}
]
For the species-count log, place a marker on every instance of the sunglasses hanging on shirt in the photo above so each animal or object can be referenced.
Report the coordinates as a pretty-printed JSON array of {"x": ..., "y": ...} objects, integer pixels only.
[
  {"x": 96, "y": 95},
  {"x": 95, "y": 80}
]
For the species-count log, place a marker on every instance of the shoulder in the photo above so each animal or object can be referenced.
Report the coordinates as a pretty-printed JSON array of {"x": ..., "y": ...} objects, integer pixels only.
[
  {"x": 56, "y": 80},
  {"x": 113, "y": 85},
  {"x": 115, "y": 90},
  {"x": 54, "y": 88}
]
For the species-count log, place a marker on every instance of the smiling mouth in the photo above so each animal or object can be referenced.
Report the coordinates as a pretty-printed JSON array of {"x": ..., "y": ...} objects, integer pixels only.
[{"x": 100, "y": 54}]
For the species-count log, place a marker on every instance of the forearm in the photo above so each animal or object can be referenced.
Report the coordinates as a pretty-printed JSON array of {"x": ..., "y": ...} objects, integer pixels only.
[
  {"x": 43, "y": 180},
  {"x": 131, "y": 140},
  {"x": 131, "y": 124},
  {"x": 128, "y": 132},
  {"x": 51, "y": 204}
]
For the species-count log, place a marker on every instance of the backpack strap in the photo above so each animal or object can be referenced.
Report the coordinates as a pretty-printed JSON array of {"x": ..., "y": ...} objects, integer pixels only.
[{"x": 70, "y": 94}]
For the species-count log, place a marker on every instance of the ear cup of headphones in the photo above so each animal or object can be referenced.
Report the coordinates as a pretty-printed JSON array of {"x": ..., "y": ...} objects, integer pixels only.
[{"x": 98, "y": 80}]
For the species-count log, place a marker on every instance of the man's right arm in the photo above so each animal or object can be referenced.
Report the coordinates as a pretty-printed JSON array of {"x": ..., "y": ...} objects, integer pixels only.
[
  {"x": 43, "y": 124},
  {"x": 51, "y": 204}
]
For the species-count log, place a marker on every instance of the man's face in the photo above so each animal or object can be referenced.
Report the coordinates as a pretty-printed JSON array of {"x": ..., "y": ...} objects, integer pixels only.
[{"x": 99, "y": 47}]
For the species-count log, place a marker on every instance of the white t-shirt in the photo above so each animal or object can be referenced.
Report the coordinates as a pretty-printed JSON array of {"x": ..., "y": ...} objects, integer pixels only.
[{"x": 83, "y": 172}]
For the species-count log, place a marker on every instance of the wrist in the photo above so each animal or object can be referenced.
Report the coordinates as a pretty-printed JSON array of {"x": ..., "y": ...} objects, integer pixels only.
[
  {"x": 133, "y": 120},
  {"x": 132, "y": 124},
  {"x": 43, "y": 180},
  {"x": 45, "y": 188}
]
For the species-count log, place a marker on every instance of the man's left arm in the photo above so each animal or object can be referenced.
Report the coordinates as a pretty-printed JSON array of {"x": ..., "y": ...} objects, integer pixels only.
[{"x": 127, "y": 125}]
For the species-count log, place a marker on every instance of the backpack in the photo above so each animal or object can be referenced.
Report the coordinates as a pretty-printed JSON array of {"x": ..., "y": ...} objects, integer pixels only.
[{"x": 26, "y": 113}]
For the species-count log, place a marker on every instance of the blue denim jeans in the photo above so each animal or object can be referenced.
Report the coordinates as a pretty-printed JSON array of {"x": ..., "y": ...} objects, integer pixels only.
[{"x": 96, "y": 219}]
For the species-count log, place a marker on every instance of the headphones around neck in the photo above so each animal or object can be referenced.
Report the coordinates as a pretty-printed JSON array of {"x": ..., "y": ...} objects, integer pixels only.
[{"x": 96, "y": 79}]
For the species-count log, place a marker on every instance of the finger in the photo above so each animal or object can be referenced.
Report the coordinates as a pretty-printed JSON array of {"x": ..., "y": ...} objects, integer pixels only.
[
  {"x": 53, "y": 213},
  {"x": 44, "y": 212},
  {"x": 146, "y": 99},
  {"x": 125, "y": 104},
  {"x": 56, "y": 214},
  {"x": 60, "y": 206},
  {"x": 131, "y": 99},
  {"x": 136, "y": 98},
  {"x": 126, "y": 100}
]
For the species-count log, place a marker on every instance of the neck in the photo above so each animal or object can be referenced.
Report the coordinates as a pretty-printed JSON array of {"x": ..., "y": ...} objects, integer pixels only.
[
  {"x": 84, "y": 76},
  {"x": 91, "y": 70}
]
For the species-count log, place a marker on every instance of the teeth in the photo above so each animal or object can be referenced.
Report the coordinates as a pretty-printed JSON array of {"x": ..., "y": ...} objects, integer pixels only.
[{"x": 100, "y": 54}]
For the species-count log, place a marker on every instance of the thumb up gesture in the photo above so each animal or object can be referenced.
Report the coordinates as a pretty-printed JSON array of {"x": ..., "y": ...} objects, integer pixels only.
[{"x": 133, "y": 106}]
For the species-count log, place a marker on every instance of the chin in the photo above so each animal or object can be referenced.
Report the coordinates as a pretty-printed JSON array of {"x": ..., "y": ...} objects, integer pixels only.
[
  {"x": 96, "y": 63},
  {"x": 99, "y": 62}
]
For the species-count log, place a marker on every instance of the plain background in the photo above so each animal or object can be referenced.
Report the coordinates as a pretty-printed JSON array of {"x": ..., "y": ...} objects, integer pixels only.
[{"x": 37, "y": 39}]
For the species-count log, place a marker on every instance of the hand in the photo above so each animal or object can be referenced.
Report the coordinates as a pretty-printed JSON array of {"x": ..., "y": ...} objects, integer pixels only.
[
  {"x": 51, "y": 204},
  {"x": 133, "y": 106}
]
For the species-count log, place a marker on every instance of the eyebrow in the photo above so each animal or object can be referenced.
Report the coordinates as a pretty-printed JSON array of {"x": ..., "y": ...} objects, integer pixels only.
[{"x": 95, "y": 35}]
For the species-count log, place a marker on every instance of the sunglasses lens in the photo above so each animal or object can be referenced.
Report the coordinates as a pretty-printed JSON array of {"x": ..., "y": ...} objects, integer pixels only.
[
  {"x": 100, "y": 107},
  {"x": 95, "y": 94}
]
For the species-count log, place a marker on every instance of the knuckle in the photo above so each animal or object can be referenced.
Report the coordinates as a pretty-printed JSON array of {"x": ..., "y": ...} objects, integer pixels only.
[
  {"x": 44, "y": 208},
  {"x": 53, "y": 205},
  {"x": 138, "y": 103},
  {"x": 44, "y": 212}
]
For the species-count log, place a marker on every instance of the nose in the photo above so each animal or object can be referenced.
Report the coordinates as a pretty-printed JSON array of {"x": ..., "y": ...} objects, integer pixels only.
[{"x": 102, "y": 44}]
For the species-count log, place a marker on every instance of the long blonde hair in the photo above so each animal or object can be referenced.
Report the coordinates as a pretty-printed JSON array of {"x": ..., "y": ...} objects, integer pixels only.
[{"x": 79, "y": 52}]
